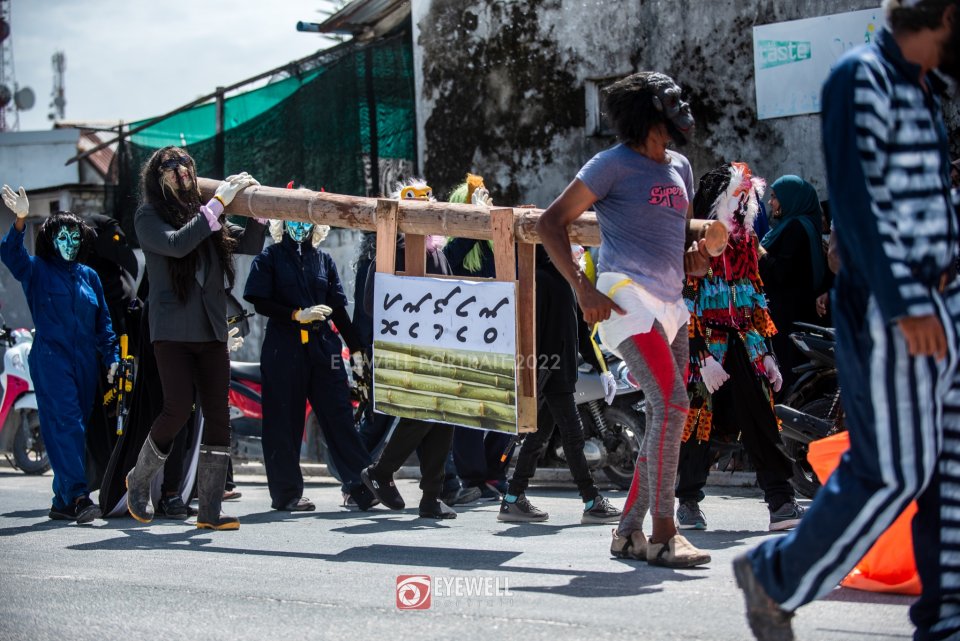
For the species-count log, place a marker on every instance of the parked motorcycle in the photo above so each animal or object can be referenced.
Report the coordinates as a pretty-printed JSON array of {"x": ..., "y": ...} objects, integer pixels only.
[
  {"x": 612, "y": 433},
  {"x": 18, "y": 408},
  {"x": 811, "y": 408}
]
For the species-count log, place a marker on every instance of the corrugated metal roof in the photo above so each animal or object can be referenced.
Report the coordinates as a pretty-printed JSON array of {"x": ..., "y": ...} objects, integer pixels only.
[
  {"x": 102, "y": 159},
  {"x": 364, "y": 16}
]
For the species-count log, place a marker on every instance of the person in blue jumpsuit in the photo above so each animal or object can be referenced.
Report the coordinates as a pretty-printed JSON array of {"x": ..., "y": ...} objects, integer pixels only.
[
  {"x": 73, "y": 330},
  {"x": 297, "y": 287},
  {"x": 896, "y": 306}
]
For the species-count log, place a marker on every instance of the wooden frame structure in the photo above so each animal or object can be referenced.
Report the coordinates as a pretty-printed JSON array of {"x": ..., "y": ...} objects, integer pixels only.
[
  {"x": 512, "y": 230},
  {"x": 508, "y": 268}
]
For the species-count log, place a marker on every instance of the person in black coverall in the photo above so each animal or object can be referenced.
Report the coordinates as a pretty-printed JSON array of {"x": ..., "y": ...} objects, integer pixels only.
[{"x": 297, "y": 286}]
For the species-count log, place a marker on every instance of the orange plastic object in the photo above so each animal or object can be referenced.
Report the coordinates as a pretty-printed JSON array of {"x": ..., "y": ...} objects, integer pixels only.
[{"x": 889, "y": 565}]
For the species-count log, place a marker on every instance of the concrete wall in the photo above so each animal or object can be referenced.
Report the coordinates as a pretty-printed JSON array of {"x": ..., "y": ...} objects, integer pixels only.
[
  {"x": 35, "y": 159},
  {"x": 501, "y": 86}
]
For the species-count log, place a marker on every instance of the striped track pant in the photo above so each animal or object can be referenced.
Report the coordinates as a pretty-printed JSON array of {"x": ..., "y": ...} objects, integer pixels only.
[{"x": 903, "y": 414}]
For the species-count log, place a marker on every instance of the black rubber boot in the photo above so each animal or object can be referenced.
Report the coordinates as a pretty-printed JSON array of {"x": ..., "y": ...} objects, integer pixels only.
[
  {"x": 140, "y": 478},
  {"x": 211, "y": 476}
]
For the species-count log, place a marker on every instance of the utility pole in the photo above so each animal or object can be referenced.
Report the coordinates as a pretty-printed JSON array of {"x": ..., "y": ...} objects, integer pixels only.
[
  {"x": 7, "y": 79},
  {"x": 58, "y": 100}
]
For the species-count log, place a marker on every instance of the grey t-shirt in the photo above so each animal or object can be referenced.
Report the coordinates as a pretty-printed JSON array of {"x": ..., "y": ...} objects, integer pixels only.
[{"x": 642, "y": 209}]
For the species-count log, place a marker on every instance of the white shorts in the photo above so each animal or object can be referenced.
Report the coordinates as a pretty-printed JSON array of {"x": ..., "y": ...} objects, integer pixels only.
[{"x": 642, "y": 307}]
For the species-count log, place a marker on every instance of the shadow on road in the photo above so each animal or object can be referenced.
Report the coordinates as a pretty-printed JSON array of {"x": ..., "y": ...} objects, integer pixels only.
[
  {"x": 849, "y": 595},
  {"x": 583, "y": 583}
]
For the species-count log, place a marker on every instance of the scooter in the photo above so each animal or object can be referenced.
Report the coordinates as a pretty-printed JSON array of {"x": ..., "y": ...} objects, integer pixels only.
[
  {"x": 18, "y": 408},
  {"x": 811, "y": 408},
  {"x": 612, "y": 433}
]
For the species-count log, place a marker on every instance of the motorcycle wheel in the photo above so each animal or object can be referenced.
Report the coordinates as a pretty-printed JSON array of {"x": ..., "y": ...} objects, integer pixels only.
[
  {"x": 626, "y": 429},
  {"x": 804, "y": 479},
  {"x": 28, "y": 451}
]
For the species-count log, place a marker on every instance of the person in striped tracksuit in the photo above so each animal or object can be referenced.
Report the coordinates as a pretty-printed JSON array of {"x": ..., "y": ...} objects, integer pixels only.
[{"x": 897, "y": 313}]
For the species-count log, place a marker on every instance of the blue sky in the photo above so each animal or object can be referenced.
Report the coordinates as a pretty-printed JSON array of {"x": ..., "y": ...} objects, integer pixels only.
[{"x": 132, "y": 59}]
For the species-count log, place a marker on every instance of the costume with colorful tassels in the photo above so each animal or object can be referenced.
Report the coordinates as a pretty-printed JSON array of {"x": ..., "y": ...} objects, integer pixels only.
[{"x": 729, "y": 298}]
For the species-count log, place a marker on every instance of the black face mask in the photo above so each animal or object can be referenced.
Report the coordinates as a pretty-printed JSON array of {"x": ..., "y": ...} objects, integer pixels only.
[{"x": 679, "y": 118}]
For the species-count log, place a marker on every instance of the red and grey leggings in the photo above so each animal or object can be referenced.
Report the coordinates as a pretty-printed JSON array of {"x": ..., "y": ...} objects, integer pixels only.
[{"x": 660, "y": 368}]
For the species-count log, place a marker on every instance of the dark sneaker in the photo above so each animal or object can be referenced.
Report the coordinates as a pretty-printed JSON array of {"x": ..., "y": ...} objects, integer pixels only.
[
  {"x": 601, "y": 512},
  {"x": 462, "y": 496},
  {"x": 786, "y": 517},
  {"x": 690, "y": 516},
  {"x": 364, "y": 498},
  {"x": 82, "y": 511},
  {"x": 68, "y": 513},
  {"x": 87, "y": 510},
  {"x": 520, "y": 511},
  {"x": 491, "y": 491},
  {"x": 300, "y": 504},
  {"x": 172, "y": 507},
  {"x": 434, "y": 508},
  {"x": 385, "y": 490},
  {"x": 768, "y": 621}
]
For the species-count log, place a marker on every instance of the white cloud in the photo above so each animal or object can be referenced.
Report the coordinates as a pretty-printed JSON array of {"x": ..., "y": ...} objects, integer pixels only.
[{"x": 132, "y": 59}]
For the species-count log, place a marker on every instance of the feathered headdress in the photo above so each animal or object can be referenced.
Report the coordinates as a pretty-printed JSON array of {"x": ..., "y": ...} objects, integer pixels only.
[{"x": 737, "y": 205}]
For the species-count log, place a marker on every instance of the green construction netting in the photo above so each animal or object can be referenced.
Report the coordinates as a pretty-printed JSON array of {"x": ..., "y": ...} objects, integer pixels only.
[
  {"x": 198, "y": 124},
  {"x": 314, "y": 130}
]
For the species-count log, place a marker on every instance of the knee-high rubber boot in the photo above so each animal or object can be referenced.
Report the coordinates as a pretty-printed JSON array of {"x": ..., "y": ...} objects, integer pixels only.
[
  {"x": 211, "y": 476},
  {"x": 140, "y": 478}
]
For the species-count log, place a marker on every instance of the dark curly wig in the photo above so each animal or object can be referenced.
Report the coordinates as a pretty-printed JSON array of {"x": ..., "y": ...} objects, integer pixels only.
[
  {"x": 178, "y": 209},
  {"x": 51, "y": 227},
  {"x": 631, "y": 106},
  {"x": 927, "y": 14}
]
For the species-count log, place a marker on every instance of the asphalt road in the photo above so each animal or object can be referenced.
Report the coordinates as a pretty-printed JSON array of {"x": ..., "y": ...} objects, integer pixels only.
[{"x": 332, "y": 574}]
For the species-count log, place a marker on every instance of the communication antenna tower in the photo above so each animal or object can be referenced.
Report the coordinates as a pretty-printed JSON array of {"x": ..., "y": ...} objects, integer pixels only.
[
  {"x": 58, "y": 100},
  {"x": 13, "y": 99}
]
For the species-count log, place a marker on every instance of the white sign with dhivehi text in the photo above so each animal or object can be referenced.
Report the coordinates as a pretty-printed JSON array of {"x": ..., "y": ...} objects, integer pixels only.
[
  {"x": 791, "y": 60},
  {"x": 445, "y": 314}
]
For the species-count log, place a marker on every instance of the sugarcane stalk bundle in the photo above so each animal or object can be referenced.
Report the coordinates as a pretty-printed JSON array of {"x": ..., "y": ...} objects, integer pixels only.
[{"x": 463, "y": 387}]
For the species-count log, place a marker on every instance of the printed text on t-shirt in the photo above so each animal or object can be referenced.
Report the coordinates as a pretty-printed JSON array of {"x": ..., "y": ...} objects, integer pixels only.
[{"x": 668, "y": 196}]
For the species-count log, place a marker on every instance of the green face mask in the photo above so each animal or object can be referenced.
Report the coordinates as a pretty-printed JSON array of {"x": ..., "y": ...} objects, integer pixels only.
[
  {"x": 67, "y": 242},
  {"x": 299, "y": 231}
]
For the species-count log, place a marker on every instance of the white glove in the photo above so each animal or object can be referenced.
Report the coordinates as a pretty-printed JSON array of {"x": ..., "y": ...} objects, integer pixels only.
[
  {"x": 232, "y": 185},
  {"x": 112, "y": 372},
  {"x": 773, "y": 372},
  {"x": 315, "y": 313},
  {"x": 17, "y": 203},
  {"x": 609, "y": 386},
  {"x": 481, "y": 197},
  {"x": 234, "y": 342},
  {"x": 713, "y": 374},
  {"x": 358, "y": 365}
]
